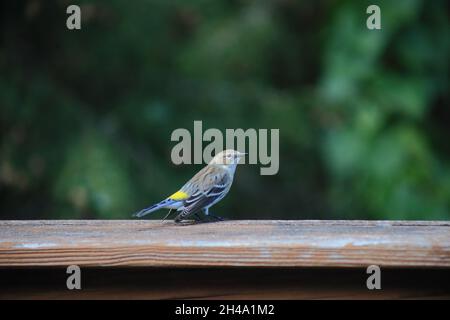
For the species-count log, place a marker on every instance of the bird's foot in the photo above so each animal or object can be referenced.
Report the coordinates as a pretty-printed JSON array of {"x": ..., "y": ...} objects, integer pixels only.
[
  {"x": 185, "y": 222},
  {"x": 181, "y": 220},
  {"x": 198, "y": 217},
  {"x": 215, "y": 218}
]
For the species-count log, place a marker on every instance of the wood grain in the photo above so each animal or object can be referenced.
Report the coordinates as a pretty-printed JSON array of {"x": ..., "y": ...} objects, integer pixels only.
[{"x": 257, "y": 243}]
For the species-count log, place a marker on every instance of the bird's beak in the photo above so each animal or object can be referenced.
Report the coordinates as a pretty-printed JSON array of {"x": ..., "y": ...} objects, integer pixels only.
[{"x": 241, "y": 154}]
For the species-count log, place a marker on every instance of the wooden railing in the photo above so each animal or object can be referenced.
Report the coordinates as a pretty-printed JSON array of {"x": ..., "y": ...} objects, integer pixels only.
[{"x": 276, "y": 258}]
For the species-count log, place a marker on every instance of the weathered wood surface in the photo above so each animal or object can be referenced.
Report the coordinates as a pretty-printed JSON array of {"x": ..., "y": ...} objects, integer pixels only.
[{"x": 280, "y": 243}]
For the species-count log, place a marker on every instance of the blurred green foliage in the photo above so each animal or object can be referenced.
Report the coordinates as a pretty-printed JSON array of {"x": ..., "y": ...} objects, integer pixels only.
[{"x": 364, "y": 118}]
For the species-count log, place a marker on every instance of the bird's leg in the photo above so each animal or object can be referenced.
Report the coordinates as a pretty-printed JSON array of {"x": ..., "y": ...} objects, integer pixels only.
[
  {"x": 199, "y": 217},
  {"x": 178, "y": 218},
  {"x": 206, "y": 211},
  {"x": 216, "y": 217}
]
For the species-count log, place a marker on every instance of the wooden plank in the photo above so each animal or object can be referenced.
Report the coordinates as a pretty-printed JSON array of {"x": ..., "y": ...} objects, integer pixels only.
[{"x": 262, "y": 243}]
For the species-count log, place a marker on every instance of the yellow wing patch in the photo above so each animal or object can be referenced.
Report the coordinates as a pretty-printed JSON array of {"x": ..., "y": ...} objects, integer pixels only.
[{"x": 179, "y": 195}]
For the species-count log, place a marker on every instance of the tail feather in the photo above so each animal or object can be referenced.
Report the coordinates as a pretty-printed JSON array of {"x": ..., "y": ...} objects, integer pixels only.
[{"x": 153, "y": 208}]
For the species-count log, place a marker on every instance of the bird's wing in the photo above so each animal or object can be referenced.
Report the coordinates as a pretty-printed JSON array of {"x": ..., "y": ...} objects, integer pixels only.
[
  {"x": 212, "y": 184},
  {"x": 203, "y": 200}
]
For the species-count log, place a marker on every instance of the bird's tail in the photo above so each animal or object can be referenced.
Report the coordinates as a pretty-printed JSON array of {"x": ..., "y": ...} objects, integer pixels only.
[{"x": 154, "y": 207}]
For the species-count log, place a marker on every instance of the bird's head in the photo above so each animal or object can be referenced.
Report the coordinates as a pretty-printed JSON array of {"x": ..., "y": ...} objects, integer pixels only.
[{"x": 228, "y": 157}]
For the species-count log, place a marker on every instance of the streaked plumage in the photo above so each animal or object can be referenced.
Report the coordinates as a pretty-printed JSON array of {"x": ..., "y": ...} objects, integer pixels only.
[{"x": 205, "y": 189}]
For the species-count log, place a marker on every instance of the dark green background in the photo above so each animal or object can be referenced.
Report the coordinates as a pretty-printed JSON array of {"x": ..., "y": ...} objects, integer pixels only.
[{"x": 364, "y": 119}]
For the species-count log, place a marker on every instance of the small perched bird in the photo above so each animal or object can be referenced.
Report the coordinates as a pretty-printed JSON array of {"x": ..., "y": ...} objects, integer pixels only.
[{"x": 204, "y": 190}]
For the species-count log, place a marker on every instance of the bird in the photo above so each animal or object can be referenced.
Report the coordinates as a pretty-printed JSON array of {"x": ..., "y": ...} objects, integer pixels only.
[{"x": 210, "y": 185}]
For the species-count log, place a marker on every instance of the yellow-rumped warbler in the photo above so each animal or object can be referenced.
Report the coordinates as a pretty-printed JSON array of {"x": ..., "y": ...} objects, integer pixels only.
[{"x": 205, "y": 189}]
